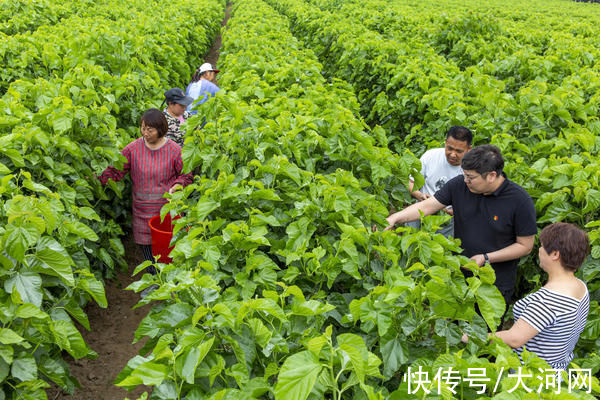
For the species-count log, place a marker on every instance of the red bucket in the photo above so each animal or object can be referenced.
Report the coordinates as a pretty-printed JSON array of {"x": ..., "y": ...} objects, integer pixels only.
[{"x": 161, "y": 234}]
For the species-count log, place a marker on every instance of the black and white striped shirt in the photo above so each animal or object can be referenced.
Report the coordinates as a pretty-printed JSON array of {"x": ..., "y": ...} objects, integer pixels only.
[{"x": 559, "y": 319}]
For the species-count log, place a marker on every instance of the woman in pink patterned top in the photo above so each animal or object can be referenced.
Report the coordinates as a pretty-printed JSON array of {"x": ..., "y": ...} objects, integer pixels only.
[{"x": 155, "y": 165}]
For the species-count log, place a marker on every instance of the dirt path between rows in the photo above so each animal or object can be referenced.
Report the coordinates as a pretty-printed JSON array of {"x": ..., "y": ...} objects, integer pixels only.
[
  {"x": 111, "y": 336},
  {"x": 112, "y": 329},
  {"x": 213, "y": 55}
]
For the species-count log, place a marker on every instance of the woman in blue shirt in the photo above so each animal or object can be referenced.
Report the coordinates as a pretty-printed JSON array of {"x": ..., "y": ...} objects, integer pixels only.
[{"x": 201, "y": 88}]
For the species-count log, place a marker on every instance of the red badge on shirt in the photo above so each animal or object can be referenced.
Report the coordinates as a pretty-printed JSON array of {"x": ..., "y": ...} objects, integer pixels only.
[{"x": 495, "y": 218}]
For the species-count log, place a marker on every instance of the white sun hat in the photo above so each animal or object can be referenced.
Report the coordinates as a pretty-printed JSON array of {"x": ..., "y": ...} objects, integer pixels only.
[{"x": 207, "y": 67}]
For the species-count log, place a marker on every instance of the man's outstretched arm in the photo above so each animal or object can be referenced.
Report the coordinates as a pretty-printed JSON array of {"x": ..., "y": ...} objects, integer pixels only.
[{"x": 411, "y": 213}]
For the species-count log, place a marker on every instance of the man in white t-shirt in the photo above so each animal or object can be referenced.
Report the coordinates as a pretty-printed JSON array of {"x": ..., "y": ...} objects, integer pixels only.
[{"x": 440, "y": 165}]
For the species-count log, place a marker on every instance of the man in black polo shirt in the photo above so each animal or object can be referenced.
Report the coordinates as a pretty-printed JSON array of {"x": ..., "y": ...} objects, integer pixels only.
[{"x": 493, "y": 216}]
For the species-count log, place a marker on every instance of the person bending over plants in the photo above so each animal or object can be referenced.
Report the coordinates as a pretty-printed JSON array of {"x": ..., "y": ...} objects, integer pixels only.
[
  {"x": 155, "y": 165},
  {"x": 202, "y": 86},
  {"x": 549, "y": 321}
]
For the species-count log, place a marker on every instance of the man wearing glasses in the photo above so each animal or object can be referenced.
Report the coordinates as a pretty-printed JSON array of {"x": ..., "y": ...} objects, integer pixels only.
[{"x": 493, "y": 216}]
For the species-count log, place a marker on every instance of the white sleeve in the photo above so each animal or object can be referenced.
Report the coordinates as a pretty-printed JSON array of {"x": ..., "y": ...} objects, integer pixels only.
[
  {"x": 194, "y": 91},
  {"x": 425, "y": 159}
]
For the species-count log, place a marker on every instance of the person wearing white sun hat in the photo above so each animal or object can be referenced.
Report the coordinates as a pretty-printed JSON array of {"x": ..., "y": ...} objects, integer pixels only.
[{"x": 202, "y": 86}]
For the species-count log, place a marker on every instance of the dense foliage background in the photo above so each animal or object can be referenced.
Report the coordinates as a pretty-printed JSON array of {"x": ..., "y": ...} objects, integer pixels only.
[{"x": 278, "y": 286}]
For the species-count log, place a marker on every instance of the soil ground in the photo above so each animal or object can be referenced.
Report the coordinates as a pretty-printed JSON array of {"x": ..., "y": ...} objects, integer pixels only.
[{"x": 112, "y": 329}]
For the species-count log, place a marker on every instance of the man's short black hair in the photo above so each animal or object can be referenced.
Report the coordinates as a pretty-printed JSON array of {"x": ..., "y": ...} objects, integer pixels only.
[
  {"x": 460, "y": 133},
  {"x": 483, "y": 159}
]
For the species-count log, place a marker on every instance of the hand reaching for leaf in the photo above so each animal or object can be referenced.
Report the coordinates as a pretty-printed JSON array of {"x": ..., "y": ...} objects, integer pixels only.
[{"x": 175, "y": 188}]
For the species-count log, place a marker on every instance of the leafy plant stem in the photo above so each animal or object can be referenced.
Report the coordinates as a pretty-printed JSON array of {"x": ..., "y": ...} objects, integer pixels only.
[
  {"x": 331, "y": 371},
  {"x": 180, "y": 385},
  {"x": 35, "y": 348}
]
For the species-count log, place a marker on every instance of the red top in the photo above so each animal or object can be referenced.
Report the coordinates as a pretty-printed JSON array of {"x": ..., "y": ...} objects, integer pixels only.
[{"x": 153, "y": 173}]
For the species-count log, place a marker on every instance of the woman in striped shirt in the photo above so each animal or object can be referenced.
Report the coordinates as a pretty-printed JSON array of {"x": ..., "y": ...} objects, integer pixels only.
[
  {"x": 548, "y": 322},
  {"x": 155, "y": 165}
]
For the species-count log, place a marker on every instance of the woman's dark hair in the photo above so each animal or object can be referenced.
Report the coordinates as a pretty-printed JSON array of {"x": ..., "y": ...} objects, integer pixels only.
[
  {"x": 196, "y": 75},
  {"x": 483, "y": 159},
  {"x": 460, "y": 133},
  {"x": 571, "y": 242},
  {"x": 155, "y": 118}
]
